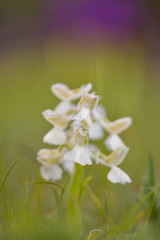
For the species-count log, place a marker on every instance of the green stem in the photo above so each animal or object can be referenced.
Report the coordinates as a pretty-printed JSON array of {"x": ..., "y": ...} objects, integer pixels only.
[{"x": 75, "y": 191}]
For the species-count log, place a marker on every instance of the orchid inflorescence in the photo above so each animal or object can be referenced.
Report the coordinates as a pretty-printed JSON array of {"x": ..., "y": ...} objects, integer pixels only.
[{"x": 75, "y": 125}]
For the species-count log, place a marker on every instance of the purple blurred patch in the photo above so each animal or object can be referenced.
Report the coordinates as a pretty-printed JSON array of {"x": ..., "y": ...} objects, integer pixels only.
[{"x": 111, "y": 18}]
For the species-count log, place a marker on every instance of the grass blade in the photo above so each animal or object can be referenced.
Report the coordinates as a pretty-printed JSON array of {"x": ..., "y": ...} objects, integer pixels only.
[{"x": 5, "y": 178}]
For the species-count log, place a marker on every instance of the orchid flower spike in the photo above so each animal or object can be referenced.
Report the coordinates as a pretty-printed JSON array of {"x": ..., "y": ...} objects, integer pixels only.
[{"x": 73, "y": 126}]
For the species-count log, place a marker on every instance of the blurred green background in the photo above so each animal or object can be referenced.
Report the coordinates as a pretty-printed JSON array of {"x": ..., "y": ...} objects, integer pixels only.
[{"x": 125, "y": 75}]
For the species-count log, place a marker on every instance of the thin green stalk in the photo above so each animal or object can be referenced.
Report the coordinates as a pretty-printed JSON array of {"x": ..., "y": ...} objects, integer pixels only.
[
  {"x": 5, "y": 178},
  {"x": 27, "y": 203},
  {"x": 39, "y": 190},
  {"x": 60, "y": 200},
  {"x": 2, "y": 187}
]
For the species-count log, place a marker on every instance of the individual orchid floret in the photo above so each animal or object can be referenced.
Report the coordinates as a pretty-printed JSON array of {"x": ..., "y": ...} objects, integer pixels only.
[
  {"x": 87, "y": 103},
  {"x": 64, "y": 93},
  {"x": 58, "y": 120},
  {"x": 113, "y": 142},
  {"x": 56, "y": 135},
  {"x": 51, "y": 173},
  {"x": 116, "y": 126},
  {"x": 49, "y": 157},
  {"x": 79, "y": 153},
  {"x": 115, "y": 175}
]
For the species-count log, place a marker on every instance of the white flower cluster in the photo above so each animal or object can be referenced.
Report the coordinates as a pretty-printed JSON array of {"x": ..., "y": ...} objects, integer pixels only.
[{"x": 74, "y": 127}]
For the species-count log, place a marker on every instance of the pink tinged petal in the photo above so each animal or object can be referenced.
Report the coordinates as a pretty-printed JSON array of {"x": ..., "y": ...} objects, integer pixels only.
[
  {"x": 116, "y": 175},
  {"x": 55, "y": 136},
  {"x": 52, "y": 173},
  {"x": 113, "y": 142}
]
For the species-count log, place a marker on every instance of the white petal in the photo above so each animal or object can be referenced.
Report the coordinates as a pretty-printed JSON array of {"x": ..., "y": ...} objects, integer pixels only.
[
  {"x": 76, "y": 124},
  {"x": 98, "y": 112},
  {"x": 116, "y": 126},
  {"x": 52, "y": 173},
  {"x": 63, "y": 107},
  {"x": 61, "y": 91},
  {"x": 68, "y": 166},
  {"x": 58, "y": 120},
  {"x": 117, "y": 157},
  {"x": 86, "y": 88},
  {"x": 49, "y": 157},
  {"x": 113, "y": 142},
  {"x": 83, "y": 114},
  {"x": 116, "y": 175},
  {"x": 55, "y": 136},
  {"x": 89, "y": 100},
  {"x": 64, "y": 93},
  {"x": 81, "y": 137},
  {"x": 95, "y": 131},
  {"x": 78, "y": 155},
  {"x": 77, "y": 93}
]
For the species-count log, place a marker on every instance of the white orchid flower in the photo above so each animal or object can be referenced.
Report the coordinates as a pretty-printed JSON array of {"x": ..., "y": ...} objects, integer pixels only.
[
  {"x": 113, "y": 142},
  {"x": 73, "y": 126},
  {"x": 48, "y": 157},
  {"x": 116, "y": 126},
  {"x": 64, "y": 93},
  {"x": 56, "y": 135},
  {"x": 87, "y": 103},
  {"x": 51, "y": 173},
  {"x": 115, "y": 175},
  {"x": 79, "y": 153}
]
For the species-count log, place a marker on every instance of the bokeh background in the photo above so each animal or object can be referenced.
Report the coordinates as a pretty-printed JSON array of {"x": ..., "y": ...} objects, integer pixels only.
[{"x": 112, "y": 44}]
